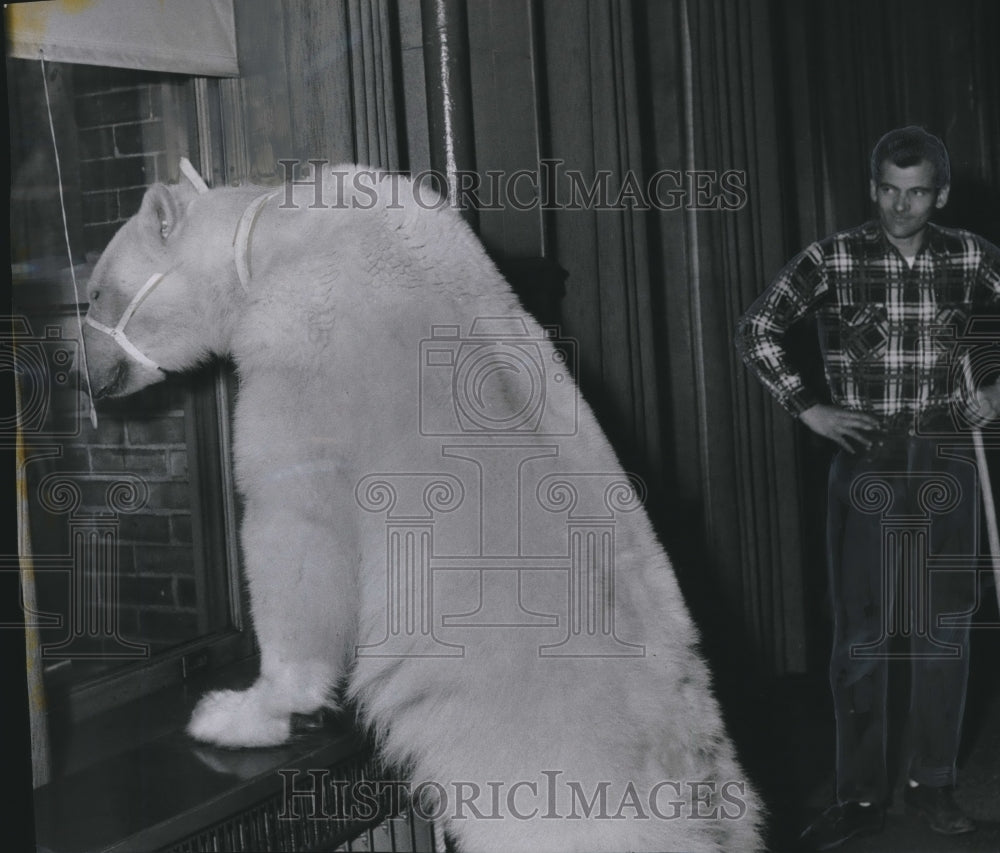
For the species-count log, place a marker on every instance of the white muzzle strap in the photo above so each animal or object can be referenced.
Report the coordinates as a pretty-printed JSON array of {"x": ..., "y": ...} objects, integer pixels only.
[{"x": 117, "y": 333}]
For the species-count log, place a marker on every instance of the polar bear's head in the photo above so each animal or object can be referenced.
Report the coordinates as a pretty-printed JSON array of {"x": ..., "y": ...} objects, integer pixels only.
[{"x": 150, "y": 294}]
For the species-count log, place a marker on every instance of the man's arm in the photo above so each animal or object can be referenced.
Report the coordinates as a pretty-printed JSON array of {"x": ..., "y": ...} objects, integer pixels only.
[
  {"x": 760, "y": 337},
  {"x": 986, "y": 400}
]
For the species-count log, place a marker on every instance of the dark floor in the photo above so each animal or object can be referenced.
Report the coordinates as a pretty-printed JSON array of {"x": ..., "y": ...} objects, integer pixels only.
[{"x": 802, "y": 723}]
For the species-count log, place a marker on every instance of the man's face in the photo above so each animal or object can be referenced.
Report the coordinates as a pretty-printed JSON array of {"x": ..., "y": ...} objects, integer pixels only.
[{"x": 906, "y": 198}]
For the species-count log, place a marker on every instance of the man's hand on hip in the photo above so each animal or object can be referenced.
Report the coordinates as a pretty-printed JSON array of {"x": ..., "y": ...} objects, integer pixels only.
[{"x": 849, "y": 429}]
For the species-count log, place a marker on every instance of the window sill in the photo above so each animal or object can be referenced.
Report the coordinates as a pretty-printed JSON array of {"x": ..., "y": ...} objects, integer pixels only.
[{"x": 134, "y": 781}]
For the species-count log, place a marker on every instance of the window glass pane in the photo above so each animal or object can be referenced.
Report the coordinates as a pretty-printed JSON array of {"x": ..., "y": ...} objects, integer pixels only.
[{"x": 128, "y": 545}]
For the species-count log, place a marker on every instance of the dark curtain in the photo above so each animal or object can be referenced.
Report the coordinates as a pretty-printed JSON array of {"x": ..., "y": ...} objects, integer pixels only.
[
  {"x": 592, "y": 124},
  {"x": 732, "y": 515}
]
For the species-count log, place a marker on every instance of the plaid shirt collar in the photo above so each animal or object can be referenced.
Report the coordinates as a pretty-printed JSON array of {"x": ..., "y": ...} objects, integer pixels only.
[{"x": 879, "y": 245}]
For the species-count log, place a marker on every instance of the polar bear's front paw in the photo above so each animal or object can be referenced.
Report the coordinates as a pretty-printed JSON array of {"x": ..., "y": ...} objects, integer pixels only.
[{"x": 237, "y": 718}]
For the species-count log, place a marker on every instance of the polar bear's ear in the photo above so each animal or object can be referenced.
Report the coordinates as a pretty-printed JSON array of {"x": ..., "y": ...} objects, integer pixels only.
[{"x": 160, "y": 211}]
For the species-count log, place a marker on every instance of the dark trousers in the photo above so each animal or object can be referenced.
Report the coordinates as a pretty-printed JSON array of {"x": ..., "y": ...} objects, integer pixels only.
[{"x": 902, "y": 524}]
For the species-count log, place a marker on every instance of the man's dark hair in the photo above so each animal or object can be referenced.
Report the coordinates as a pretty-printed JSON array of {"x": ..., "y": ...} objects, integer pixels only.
[{"x": 907, "y": 146}]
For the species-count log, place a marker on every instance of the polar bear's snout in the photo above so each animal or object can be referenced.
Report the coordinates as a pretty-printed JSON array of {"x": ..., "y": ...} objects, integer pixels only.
[
  {"x": 112, "y": 385},
  {"x": 110, "y": 372},
  {"x": 105, "y": 365}
]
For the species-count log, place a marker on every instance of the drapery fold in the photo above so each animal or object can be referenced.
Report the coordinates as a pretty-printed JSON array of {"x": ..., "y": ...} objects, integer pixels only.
[{"x": 730, "y": 453}]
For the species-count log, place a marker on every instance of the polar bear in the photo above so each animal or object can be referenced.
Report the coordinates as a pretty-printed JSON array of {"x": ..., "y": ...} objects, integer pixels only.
[{"x": 436, "y": 530}]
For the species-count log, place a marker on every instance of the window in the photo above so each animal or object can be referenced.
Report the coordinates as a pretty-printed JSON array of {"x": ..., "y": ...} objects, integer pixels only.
[{"x": 132, "y": 524}]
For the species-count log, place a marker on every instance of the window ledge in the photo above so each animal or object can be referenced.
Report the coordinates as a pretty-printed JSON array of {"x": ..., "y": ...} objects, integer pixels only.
[{"x": 135, "y": 781}]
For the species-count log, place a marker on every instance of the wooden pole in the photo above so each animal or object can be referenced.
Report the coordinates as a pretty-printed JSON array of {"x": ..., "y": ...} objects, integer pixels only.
[{"x": 40, "y": 752}]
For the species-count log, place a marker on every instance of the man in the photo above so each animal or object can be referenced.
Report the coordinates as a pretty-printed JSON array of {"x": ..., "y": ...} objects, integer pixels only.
[{"x": 892, "y": 299}]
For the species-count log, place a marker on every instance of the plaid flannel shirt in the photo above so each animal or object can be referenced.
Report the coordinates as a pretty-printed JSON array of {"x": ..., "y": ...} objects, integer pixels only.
[{"x": 891, "y": 335}]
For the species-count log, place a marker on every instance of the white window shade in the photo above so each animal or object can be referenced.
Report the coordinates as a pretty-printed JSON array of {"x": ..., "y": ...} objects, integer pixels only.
[{"x": 181, "y": 36}]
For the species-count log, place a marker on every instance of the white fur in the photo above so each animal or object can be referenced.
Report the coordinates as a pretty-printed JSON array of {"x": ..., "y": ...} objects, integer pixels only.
[{"x": 327, "y": 346}]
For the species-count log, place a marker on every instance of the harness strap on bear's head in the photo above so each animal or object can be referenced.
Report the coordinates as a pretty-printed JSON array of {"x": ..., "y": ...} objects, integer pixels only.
[
  {"x": 244, "y": 231},
  {"x": 191, "y": 173},
  {"x": 117, "y": 333},
  {"x": 241, "y": 244}
]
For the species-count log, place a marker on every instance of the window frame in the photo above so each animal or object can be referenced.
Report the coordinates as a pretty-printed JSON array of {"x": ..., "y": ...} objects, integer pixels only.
[{"x": 211, "y": 109}]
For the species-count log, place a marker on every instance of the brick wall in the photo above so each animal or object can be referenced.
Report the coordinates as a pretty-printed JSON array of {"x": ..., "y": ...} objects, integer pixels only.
[
  {"x": 122, "y": 145},
  {"x": 142, "y": 438},
  {"x": 145, "y": 437}
]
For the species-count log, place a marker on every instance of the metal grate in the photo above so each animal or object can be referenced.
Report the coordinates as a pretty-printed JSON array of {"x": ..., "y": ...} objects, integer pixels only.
[
  {"x": 259, "y": 829},
  {"x": 404, "y": 833}
]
